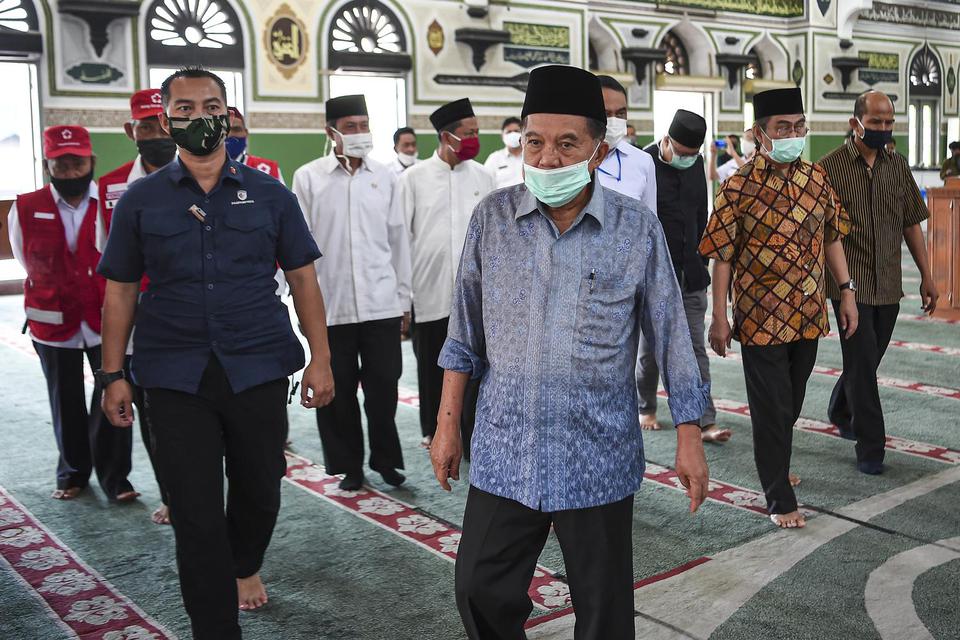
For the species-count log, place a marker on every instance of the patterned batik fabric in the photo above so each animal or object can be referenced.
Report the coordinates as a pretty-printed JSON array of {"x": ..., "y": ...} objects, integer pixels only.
[{"x": 773, "y": 227}]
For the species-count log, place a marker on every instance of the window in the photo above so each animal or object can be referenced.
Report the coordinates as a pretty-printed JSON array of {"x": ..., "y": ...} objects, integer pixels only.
[
  {"x": 17, "y": 15},
  {"x": 183, "y": 32},
  {"x": 925, "y": 91},
  {"x": 20, "y": 154},
  {"x": 386, "y": 103},
  {"x": 366, "y": 34},
  {"x": 676, "y": 62},
  {"x": 754, "y": 69}
]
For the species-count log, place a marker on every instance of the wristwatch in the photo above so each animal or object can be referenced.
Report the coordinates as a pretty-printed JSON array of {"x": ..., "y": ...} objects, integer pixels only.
[
  {"x": 105, "y": 378},
  {"x": 850, "y": 284}
]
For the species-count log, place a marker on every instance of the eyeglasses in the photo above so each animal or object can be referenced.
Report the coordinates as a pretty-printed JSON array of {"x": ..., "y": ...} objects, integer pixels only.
[{"x": 785, "y": 131}]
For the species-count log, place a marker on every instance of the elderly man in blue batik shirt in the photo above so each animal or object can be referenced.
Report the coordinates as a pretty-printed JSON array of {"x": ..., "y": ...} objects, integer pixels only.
[{"x": 558, "y": 278}]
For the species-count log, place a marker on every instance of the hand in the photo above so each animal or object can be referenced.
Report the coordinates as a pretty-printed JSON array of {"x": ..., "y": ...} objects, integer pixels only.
[
  {"x": 405, "y": 324},
  {"x": 691, "y": 464},
  {"x": 713, "y": 149},
  {"x": 117, "y": 403},
  {"x": 316, "y": 386},
  {"x": 720, "y": 335},
  {"x": 446, "y": 451},
  {"x": 849, "y": 317},
  {"x": 929, "y": 295}
]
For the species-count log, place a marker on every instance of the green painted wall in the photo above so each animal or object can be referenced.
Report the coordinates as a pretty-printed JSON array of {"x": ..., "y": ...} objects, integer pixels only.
[
  {"x": 291, "y": 150},
  {"x": 821, "y": 145},
  {"x": 113, "y": 150}
]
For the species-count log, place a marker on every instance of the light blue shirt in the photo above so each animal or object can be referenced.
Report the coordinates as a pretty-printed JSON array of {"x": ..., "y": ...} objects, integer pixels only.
[{"x": 551, "y": 324}]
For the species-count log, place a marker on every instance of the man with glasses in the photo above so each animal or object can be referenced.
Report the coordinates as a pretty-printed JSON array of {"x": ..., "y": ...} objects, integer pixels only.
[
  {"x": 625, "y": 168},
  {"x": 886, "y": 208},
  {"x": 681, "y": 190},
  {"x": 347, "y": 199},
  {"x": 776, "y": 223}
]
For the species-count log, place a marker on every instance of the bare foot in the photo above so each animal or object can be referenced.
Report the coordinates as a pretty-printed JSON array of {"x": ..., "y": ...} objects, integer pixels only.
[
  {"x": 251, "y": 592},
  {"x": 792, "y": 520},
  {"x": 66, "y": 494},
  {"x": 649, "y": 422},
  {"x": 161, "y": 515},
  {"x": 713, "y": 433},
  {"x": 794, "y": 479},
  {"x": 426, "y": 441},
  {"x": 127, "y": 496}
]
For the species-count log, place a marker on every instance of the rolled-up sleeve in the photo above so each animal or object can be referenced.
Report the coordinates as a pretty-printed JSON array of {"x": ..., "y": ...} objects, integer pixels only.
[
  {"x": 295, "y": 245},
  {"x": 465, "y": 348},
  {"x": 122, "y": 259},
  {"x": 664, "y": 326}
]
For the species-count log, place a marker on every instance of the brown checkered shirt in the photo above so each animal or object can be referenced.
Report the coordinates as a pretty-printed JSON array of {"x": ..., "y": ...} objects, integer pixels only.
[{"x": 773, "y": 228}]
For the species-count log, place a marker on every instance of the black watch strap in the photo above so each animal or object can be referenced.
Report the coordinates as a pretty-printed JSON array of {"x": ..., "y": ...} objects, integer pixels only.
[
  {"x": 105, "y": 378},
  {"x": 850, "y": 284}
]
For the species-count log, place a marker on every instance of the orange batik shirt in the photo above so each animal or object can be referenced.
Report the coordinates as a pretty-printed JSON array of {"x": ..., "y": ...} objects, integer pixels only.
[{"x": 773, "y": 228}]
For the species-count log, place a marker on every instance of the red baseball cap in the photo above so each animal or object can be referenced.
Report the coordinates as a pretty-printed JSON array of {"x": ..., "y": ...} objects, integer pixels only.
[
  {"x": 66, "y": 140},
  {"x": 146, "y": 103}
]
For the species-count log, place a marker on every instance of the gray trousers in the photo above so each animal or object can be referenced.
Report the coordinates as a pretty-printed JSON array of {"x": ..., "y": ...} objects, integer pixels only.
[{"x": 695, "y": 305}]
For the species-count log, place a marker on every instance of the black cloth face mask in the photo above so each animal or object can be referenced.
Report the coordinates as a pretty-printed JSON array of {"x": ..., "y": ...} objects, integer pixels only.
[
  {"x": 157, "y": 152},
  {"x": 72, "y": 187},
  {"x": 875, "y": 138}
]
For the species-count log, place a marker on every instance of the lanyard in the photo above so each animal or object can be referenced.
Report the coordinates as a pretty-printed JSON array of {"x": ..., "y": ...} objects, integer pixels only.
[{"x": 619, "y": 167}]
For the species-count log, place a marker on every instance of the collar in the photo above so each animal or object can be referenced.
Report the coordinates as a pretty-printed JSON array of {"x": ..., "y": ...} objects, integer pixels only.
[
  {"x": 331, "y": 162},
  {"x": 232, "y": 170},
  {"x": 436, "y": 156},
  {"x": 594, "y": 207},
  {"x": 855, "y": 152},
  {"x": 92, "y": 192},
  {"x": 137, "y": 171},
  {"x": 624, "y": 147}
]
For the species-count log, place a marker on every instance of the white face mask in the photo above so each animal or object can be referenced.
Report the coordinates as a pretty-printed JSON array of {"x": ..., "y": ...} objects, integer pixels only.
[
  {"x": 616, "y": 131},
  {"x": 356, "y": 145},
  {"x": 511, "y": 139},
  {"x": 747, "y": 147},
  {"x": 407, "y": 159}
]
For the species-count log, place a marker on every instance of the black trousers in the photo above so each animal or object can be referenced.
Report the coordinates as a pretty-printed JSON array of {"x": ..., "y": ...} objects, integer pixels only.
[
  {"x": 855, "y": 401},
  {"x": 501, "y": 542},
  {"x": 368, "y": 354},
  {"x": 85, "y": 438},
  {"x": 193, "y": 435},
  {"x": 146, "y": 432},
  {"x": 776, "y": 378},
  {"x": 428, "y": 339}
]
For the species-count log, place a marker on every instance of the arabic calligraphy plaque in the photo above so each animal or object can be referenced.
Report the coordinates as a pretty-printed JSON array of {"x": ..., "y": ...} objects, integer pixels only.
[{"x": 285, "y": 39}]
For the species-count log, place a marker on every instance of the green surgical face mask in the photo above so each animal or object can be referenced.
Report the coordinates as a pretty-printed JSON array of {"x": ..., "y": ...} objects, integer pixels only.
[
  {"x": 200, "y": 136},
  {"x": 678, "y": 161},
  {"x": 557, "y": 187},
  {"x": 785, "y": 150}
]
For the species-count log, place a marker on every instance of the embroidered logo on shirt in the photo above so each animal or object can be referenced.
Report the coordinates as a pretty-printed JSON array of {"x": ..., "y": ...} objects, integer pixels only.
[
  {"x": 242, "y": 198},
  {"x": 263, "y": 166}
]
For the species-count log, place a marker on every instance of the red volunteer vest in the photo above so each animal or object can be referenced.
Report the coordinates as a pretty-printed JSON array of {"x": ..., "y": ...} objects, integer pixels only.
[
  {"x": 61, "y": 288},
  {"x": 269, "y": 167},
  {"x": 112, "y": 186}
]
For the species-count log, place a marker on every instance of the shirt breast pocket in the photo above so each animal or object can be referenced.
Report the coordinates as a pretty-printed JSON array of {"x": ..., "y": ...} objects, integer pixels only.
[
  {"x": 168, "y": 245},
  {"x": 604, "y": 308},
  {"x": 247, "y": 243}
]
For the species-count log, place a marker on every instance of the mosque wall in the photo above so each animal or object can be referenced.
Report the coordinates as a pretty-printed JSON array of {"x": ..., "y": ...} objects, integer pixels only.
[{"x": 444, "y": 49}]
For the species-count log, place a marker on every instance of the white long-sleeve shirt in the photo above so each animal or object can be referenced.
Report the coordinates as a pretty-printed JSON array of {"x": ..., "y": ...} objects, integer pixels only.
[
  {"x": 365, "y": 270},
  {"x": 630, "y": 171},
  {"x": 72, "y": 218},
  {"x": 437, "y": 203},
  {"x": 505, "y": 167}
]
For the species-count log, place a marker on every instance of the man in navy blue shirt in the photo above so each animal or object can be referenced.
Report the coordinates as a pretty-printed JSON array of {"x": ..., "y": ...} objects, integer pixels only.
[{"x": 213, "y": 344}]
